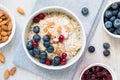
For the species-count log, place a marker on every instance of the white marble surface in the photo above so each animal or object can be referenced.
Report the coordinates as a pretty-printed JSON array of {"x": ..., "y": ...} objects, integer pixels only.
[{"x": 98, "y": 39}]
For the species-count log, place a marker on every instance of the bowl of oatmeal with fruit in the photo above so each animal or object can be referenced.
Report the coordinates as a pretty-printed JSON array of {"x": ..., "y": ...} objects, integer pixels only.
[{"x": 54, "y": 38}]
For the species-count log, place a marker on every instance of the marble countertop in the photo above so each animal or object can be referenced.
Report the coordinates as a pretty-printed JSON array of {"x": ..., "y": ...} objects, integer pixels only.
[{"x": 97, "y": 41}]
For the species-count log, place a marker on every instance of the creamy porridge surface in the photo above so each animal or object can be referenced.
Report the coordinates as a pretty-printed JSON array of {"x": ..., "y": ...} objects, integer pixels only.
[{"x": 56, "y": 24}]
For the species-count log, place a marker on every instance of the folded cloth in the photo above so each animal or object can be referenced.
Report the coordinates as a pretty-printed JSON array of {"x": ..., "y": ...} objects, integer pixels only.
[{"x": 21, "y": 59}]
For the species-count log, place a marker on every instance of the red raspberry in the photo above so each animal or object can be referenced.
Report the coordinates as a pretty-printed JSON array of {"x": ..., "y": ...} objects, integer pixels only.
[
  {"x": 48, "y": 62},
  {"x": 63, "y": 61},
  {"x": 61, "y": 38},
  {"x": 34, "y": 44},
  {"x": 41, "y": 15},
  {"x": 36, "y": 19},
  {"x": 64, "y": 55}
]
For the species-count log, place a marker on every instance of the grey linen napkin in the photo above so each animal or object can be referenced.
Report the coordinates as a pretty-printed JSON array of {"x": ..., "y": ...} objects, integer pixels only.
[{"x": 21, "y": 59}]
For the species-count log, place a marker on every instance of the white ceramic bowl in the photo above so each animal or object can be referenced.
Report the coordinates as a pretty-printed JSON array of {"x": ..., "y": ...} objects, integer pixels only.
[
  {"x": 53, "y": 9},
  {"x": 13, "y": 27},
  {"x": 108, "y": 32},
  {"x": 102, "y": 65}
]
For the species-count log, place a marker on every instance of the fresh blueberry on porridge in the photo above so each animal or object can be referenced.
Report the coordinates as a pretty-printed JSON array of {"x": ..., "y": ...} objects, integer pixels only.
[{"x": 54, "y": 38}]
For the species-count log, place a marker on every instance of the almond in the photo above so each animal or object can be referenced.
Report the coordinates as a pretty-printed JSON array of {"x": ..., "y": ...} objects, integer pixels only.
[
  {"x": 0, "y": 37},
  {"x": 0, "y": 20},
  {"x": 53, "y": 36},
  {"x": 48, "y": 34},
  {"x": 21, "y": 11},
  {"x": 12, "y": 71},
  {"x": 45, "y": 29},
  {"x": 6, "y": 74},
  {"x": 3, "y": 33},
  {"x": 1, "y": 13},
  {"x": 58, "y": 51},
  {"x": 4, "y": 27},
  {"x": 4, "y": 39},
  {"x": 9, "y": 33},
  {"x": 10, "y": 26},
  {"x": 3, "y": 22},
  {"x": 67, "y": 28},
  {"x": 51, "y": 24},
  {"x": 59, "y": 29},
  {"x": 2, "y": 58}
]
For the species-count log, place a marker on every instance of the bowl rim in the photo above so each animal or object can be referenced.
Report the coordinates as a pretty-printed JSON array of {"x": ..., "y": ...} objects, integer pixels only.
[
  {"x": 102, "y": 65},
  {"x": 108, "y": 32},
  {"x": 13, "y": 25},
  {"x": 56, "y": 67}
]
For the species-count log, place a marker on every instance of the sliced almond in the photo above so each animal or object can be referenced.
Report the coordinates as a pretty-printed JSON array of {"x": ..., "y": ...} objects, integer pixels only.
[
  {"x": 59, "y": 29},
  {"x": 51, "y": 24},
  {"x": 2, "y": 58},
  {"x": 49, "y": 34},
  {"x": 58, "y": 51},
  {"x": 3, "y": 33},
  {"x": 6, "y": 74},
  {"x": 67, "y": 28},
  {"x": 45, "y": 29},
  {"x": 12, "y": 71},
  {"x": 21, "y": 11}
]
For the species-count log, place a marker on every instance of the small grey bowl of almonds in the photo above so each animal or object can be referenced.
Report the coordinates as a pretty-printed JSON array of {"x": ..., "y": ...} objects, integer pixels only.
[{"x": 7, "y": 26}]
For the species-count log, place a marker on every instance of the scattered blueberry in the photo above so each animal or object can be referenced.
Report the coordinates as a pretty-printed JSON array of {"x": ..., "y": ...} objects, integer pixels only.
[
  {"x": 31, "y": 53},
  {"x": 42, "y": 60},
  {"x": 118, "y": 31},
  {"x": 36, "y": 51},
  {"x": 50, "y": 49},
  {"x": 36, "y": 38},
  {"x": 114, "y": 12},
  {"x": 118, "y": 15},
  {"x": 114, "y": 6},
  {"x": 85, "y": 11},
  {"x": 106, "y": 45},
  {"x": 108, "y": 14},
  {"x": 46, "y": 44},
  {"x": 56, "y": 60},
  {"x": 117, "y": 23},
  {"x": 29, "y": 45},
  {"x": 108, "y": 24},
  {"x": 43, "y": 55},
  {"x": 91, "y": 49},
  {"x": 46, "y": 38},
  {"x": 106, "y": 52},
  {"x": 112, "y": 18},
  {"x": 36, "y": 29}
]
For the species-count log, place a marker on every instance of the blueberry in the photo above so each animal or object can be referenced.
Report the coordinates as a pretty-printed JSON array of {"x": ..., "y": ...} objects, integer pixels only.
[
  {"x": 36, "y": 38},
  {"x": 85, "y": 11},
  {"x": 106, "y": 52},
  {"x": 118, "y": 15},
  {"x": 43, "y": 55},
  {"x": 117, "y": 23},
  {"x": 36, "y": 51},
  {"x": 106, "y": 45},
  {"x": 114, "y": 5},
  {"x": 50, "y": 49},
  {"x": 36, "y": 29},
  {"x": 31, "y": 53},
  {"x": 115, "y": 32},
  {"x": 42, "y": 60},
  {"x": 46, "y": 38},
  {"x": 91, "y": 49},
  {"x": 112, "y": 18},
  {"x": 111, "y": 29},
  {"x": 108, "y": 14},
  {"x": 56, "y": 60},
  {"x": 108, "y": 24},
  {"x": 118, "y": 31},
  {"x": 29, "y": 45},
  {"x": 114, "y": 12},
  {"x": 46, "y": 44}
]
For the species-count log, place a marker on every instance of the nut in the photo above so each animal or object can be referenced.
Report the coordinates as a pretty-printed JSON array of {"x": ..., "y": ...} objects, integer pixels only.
[
  {"x": 6, "y": 74},
  {"x": 12, "y": 71},
  {"x": 3, "y": 33},
  {"x": 10, "y": 26},
  {"x": 67, "y": 28},
  {"x": 4, "y": 27},
  {"x": 58, "y": 51},
  {"x": 4, "y": 39},
  {"x": 1, "y": 13},
  {"x": 2, "y": 58},
  {"x": 9, "y": 33},
  {"x": 51, "y": 24},
  {"x": 20, "y": 10},
  {"x": 59, "y": 29}
]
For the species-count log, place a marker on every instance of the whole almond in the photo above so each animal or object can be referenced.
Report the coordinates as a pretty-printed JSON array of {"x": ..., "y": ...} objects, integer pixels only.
[
  {"x": 20, "y": 10},
  {"x": 3, "y": 22},
  {"x": 12, "y": 71},
  {"x": 3, "y": 33},
  {"x": 0, "y": 37},
  {"x": 1, "y": 13},
  {"x": 4, "y": 39},
  {"x": 10, "y": 26},
  {"x": 6, "y": 74},
  {"x": 9, "y": 33},
  {"x": 4, "y": 27},
  {"x": 2, "y": 58}
]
